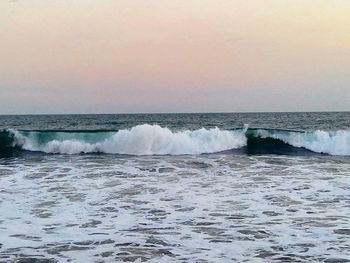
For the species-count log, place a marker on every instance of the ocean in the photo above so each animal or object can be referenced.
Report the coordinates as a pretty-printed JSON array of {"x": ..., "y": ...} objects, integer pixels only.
[{"x": 219, "y": 187}]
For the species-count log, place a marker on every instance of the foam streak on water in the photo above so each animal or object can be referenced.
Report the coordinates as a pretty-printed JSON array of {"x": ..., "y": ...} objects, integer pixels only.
[{"x": 209, "y": 208}]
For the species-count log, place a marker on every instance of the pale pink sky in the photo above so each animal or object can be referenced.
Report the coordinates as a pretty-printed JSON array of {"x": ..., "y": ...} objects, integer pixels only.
[{"x": 96, "y": 56}]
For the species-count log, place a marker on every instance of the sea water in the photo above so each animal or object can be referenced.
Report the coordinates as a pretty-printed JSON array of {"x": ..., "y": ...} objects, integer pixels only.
[{"x": 230, "y": 187}]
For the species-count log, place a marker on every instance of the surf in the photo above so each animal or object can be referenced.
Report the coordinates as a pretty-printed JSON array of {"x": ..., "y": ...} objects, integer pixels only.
[
  {"x": 149, "y": 139},
  {"x": 140, "y": 140}
]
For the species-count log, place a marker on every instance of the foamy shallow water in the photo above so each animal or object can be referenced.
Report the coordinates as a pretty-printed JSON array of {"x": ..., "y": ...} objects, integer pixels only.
[{"x": 205, "y": 208}]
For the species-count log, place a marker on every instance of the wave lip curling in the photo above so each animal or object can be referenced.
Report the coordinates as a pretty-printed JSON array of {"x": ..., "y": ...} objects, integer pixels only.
[{"x": 328, "y": 142}]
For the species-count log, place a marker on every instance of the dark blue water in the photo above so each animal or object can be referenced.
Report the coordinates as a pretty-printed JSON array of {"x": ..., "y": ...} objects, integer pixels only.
[{"x": 298, "y": 121}]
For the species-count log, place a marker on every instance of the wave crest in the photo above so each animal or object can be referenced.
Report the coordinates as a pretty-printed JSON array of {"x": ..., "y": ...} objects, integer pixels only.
[{"x": 141, "y": 140}]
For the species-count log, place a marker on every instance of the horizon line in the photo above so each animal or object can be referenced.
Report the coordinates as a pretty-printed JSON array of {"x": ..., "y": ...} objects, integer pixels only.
[{"x": 159, "y": 113}]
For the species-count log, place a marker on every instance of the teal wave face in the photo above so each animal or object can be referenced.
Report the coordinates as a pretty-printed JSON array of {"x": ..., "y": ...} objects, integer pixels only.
[{"x": 43, "y": 137}]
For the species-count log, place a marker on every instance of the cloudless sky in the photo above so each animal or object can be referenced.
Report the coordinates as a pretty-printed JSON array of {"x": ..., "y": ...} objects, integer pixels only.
[{"x": 117, "y": 56}]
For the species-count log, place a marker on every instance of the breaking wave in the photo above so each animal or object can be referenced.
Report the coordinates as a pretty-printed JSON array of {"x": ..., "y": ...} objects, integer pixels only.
[
  {"x": 139, "y": 140},
  {"x": 333, "y": 143},
  {"x": 155, "y": 140}
]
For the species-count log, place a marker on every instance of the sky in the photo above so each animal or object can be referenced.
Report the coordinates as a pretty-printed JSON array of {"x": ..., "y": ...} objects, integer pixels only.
[{"x": 130, "y": 56}]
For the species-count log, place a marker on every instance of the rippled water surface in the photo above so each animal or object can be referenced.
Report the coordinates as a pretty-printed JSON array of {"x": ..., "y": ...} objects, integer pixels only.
[
  {"x": 200, "y": 208},
  {"x": 192, "y": 121}
]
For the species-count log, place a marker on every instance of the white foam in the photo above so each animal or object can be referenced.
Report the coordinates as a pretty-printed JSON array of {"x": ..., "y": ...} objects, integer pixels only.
[{"x": 144, "y": 140}]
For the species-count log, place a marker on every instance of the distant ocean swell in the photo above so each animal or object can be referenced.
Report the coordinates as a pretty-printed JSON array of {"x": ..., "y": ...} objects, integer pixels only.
[{"x": 155, "y": 140}]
